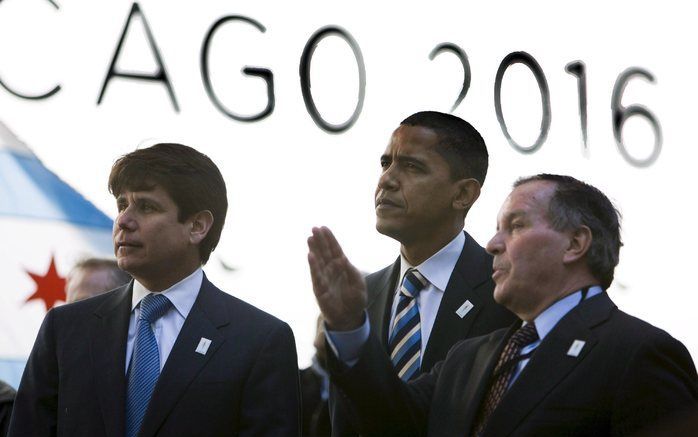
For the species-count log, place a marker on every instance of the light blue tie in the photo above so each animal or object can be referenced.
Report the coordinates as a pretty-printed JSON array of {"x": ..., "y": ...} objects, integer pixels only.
[
  {"x": 406, "y": 338},
  {"x": 145, "y": 363}
]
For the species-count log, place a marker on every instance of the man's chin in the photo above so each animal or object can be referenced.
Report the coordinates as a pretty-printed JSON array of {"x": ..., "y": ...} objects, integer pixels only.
[
  {"x": 500, "y": 295},
  {"x": 127, "y": 265},
  {"x": 387, "y": 228}
]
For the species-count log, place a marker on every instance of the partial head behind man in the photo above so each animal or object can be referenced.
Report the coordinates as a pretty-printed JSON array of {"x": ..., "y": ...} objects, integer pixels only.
[
  {"x": 555, "y": 235},
  {"x": 92, "y": 276},
  {"x": 172, "y": 205},
  {"x": 432, "y": 172}
]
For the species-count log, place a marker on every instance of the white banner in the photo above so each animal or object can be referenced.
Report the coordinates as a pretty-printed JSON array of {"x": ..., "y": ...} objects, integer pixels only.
[{"x": 559, "y": 64}]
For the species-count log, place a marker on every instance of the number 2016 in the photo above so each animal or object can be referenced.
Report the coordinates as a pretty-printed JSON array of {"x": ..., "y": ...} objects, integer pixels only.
[{"x": 619, "y": 112}]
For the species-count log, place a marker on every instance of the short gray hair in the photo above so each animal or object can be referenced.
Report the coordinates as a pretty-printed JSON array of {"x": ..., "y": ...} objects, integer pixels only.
[
  {"x": 117, "y": 277},
  {"x": 575, "y": 204}
]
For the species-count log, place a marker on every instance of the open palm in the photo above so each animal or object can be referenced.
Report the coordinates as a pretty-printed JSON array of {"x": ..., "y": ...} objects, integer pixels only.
[{"x": 338, "y": 285}]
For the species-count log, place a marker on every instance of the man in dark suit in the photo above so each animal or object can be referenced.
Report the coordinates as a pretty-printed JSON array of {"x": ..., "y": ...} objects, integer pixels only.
[
  {"x": 169, "y": 353},
  {"x": 315, "y": 384},
  {"x": 7, "y": 398},
  {"x": 432, "y": 172},
  {"x": 574, "y": 365}
]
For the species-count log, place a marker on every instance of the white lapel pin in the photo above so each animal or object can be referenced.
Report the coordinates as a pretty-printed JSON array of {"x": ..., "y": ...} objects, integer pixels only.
[
  {"x": 464, "y": 309},
  {"x": 576, "y": 348},
  {"x": 202, "y": 348}
]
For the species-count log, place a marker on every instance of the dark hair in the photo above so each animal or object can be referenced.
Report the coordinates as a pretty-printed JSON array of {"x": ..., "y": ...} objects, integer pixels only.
[
  {"x": 576, "y": 203},
  {"x": 117, "y": 277},
  {"x": 460, "y": 144},
  {"x": 190, "y": 178}
]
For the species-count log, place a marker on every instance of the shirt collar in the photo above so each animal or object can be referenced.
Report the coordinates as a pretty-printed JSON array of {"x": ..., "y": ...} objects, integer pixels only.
[
  {"x": 438, "y": 268},
  {"x": 182, "y": 294},
  {"x": 547, "y": 320}
]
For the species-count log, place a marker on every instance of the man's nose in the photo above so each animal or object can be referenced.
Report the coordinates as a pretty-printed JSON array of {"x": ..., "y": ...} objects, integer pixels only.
[
  {"x": 495, "y": 245},
  {"x": 388, "y": 180},
  {"x": 125, "y": 220}
]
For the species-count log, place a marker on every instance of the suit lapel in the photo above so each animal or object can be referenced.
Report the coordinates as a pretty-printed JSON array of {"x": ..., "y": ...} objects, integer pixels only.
[
  {"x": 479, "y": 378},
  {"x": 381, "y": 287},
  {"x": 184, "y": 363},
  {"x": 550, "y": 364},
  {"x": 108, "y": 354},
  {"x": 472, "y": 269}
]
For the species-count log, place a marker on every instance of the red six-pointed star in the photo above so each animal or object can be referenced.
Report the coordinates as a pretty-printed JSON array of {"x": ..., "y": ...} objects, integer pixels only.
[{"x": 50, "y": 287}]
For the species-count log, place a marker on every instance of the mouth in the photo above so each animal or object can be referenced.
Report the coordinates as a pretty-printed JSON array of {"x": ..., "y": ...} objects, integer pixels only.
[
  {"x": 127, "y": 245},
  {"x": 383, "y": 202},
  {"x": 497, "y": 272}
]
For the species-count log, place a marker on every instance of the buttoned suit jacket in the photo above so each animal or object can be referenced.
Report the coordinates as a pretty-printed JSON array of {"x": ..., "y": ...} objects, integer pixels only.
[
  {"x": 471, "y": 281},
  {"x": 245, "y": 384},
  {"x": 627, "y": 376}
]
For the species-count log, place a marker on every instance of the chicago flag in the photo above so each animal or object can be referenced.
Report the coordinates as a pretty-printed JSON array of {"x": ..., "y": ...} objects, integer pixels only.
[{"x": 45, "y": 227}]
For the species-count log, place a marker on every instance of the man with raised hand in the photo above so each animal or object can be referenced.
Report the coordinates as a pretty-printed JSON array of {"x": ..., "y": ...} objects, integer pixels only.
[
  {"x": 439, "y": 290},
  {"x": 168, "y": 354},
  {"x": 573, "y": 365}
]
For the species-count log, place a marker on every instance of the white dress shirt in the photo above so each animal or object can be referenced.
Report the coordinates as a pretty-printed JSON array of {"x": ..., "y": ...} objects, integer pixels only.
[
  {"x": 546, "y": 321},
  {"x": 166, "y": 329},
  {"x": 346, "y": 345},
  {"x": 437, "y": 270}
]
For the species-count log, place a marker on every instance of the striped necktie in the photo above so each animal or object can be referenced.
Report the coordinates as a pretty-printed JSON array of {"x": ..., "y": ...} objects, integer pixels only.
[
  {"x": 406, "y": 337},
  {"x": 503, "y": 372},
  {"x": 145, "y": 362}
]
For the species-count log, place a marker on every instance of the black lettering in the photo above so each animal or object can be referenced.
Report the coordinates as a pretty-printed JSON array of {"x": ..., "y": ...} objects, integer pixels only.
[
  {"x": 264, "y": 73},
  {"x": 159, "y": 76},
  {"x": 307, "y": 57}
]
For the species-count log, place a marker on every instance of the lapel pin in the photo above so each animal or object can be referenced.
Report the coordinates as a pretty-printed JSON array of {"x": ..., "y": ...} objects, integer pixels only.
[
  {"x": 464, "y": 309},
  {"x": 202, "y": 348},
  {"x": 576, "y": 348}
]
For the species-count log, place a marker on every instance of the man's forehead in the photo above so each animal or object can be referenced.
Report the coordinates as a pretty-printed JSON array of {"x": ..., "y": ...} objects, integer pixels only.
[
  {"x": 411, "y": 140},
  {"x": 529, "y": 197},
  {"x": 147, "y": 191}
]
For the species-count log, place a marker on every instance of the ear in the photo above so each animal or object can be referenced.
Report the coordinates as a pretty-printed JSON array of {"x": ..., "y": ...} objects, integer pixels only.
[
  {"x": 200, "y": 223},
  {"x": 467, "y": 192},
  {"x": 579, "y": 244}
]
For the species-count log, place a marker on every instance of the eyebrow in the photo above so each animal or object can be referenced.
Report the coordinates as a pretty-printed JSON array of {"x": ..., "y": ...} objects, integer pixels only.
[
  {"x": 515, "y": 214},
  {"x": 511, "y": 216},
  {"x": 140, "y": 197}
]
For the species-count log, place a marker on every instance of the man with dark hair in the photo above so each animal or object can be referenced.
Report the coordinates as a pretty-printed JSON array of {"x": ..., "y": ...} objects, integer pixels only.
[
  {"x": 93, "y": 276},
  {"x": 169, "y": 353},
  {"x": 574, "y": 365},
  {"x": 432, "y": 171}
]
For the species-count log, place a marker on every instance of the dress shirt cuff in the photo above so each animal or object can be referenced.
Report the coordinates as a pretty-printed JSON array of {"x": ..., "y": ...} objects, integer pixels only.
[{"x": 347, "y": 345}]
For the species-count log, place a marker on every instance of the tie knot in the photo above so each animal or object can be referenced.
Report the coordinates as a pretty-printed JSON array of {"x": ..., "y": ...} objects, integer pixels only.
[
  {"x": 525, "y": 335},
  {"x": 153, "y": 306},
  {"x": 413, "y": 283}
]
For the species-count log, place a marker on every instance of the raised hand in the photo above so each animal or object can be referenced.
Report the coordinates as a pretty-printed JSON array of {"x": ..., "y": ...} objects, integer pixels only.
[{"x": 339, "y": 287}]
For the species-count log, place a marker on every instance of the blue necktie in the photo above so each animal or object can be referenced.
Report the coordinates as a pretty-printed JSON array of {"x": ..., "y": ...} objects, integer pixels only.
[
  {"x": 145, "y": 363},
  {"x": 405, "y": 342}
]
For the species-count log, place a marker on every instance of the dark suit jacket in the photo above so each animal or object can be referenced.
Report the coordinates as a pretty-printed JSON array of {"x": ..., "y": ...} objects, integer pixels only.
[
  {"x": 7, "y": 397},
  {"x": 471, "y": 280},
  {"x": 316, "y": 415},
  {"x": 628, "y": 375},
  {"x": 246, "y": 384}
]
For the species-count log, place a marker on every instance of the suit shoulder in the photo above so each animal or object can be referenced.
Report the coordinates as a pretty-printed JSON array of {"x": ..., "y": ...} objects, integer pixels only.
[
  {"x": 380, "y": 274},
  {"x": 243, "y": 312},
  {"x": 637, "y": 332},
  {"x": 89, "y": 305}
]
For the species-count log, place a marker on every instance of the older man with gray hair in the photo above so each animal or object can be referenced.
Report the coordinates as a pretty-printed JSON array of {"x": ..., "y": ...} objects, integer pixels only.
[{"x": 92, "y": 276}]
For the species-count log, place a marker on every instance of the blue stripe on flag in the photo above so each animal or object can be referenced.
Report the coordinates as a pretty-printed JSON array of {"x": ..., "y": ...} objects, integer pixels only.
[{"x": 28, "y": 189}]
